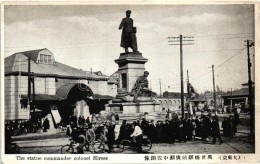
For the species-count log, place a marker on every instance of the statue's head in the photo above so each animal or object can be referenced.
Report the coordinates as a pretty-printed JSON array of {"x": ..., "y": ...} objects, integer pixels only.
[
  {"x": 146, "y": 73},
  {"x": 128, "y": 13}
]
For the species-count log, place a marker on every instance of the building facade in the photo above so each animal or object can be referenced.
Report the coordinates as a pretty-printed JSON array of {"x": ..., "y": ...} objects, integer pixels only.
[{"x": 52, "y": 85}]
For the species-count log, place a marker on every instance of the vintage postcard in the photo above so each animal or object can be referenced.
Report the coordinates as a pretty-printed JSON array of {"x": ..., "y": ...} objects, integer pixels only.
[{"x": 129, "y": 82}]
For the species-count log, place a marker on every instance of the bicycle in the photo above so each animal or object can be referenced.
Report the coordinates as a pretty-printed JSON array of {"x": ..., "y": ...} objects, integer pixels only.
[
  {"x": 70, "y": 148},
  {"x": 100, "y": 147},
  {"x": 146, "y": 144},
  {"x": 19, "y": 130}
]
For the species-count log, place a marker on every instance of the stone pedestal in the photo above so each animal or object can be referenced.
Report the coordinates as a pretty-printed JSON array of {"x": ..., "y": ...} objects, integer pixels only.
[
  {"x": 133, "y": 108},
  {"x": 132, "y": 111},
  {"x": 130, "y": 67}
]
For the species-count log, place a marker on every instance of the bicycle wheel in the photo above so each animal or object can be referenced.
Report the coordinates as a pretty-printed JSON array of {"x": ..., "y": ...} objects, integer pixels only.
[
  {"x": 146, "y": 145},
  {"x": 30, "y": 130},
  {"x": 15, "y": 132},
  {"x": 98, "y": 147},
  {"x": 125, "y": 144},
  {"x": 24, "y": 131},
  {"x": 86, "y": 146},
  {"x": 67, "y": 149},
  {"x": 90, "y": 136},
  {"x": 118, "y": 148}
]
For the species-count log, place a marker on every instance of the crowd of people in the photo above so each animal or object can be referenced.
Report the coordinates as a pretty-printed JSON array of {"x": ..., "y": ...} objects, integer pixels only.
[
  {"x": 23, "y": 127},
  {"x": 176, "y": 129}
]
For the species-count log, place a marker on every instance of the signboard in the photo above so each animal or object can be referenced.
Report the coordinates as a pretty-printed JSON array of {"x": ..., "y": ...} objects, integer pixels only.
[{"x": 56, "y": 116}]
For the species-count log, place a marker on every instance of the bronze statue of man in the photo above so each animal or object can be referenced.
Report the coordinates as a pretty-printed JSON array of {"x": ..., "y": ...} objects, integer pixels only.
[
  {"x": 141, "y": 86},
  {"x": 128, "y": 37}
]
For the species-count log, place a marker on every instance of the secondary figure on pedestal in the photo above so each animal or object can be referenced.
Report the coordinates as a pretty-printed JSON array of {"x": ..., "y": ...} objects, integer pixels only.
[
  {"x": 141, "y": 87},
  {"x": 128, "y": 38}
]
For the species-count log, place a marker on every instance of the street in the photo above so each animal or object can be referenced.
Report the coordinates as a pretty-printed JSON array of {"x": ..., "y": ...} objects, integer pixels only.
[{"x": 51, "y": 143}]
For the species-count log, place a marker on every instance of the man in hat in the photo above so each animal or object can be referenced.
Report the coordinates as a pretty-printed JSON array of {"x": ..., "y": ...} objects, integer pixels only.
[{"x": 128, "y": 37}]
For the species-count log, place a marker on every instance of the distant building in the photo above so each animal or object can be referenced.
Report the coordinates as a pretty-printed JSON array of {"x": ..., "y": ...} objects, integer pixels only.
[
  {"x": 54, "y": 85},
  {"x": 238, "y": 97},
  {"x": 171, "y": 100}
]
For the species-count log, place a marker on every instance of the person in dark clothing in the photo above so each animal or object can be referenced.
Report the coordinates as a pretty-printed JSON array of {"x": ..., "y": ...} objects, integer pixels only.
[
  {"x": 189, "y": 129},
  {"x": 206, "y": 127},
  {"x": 164, "y": 132},
  {"x": 159, "y": 128},
  {"x": 152, "y": 132},
  {"x": 181, "y": 134},
  {"x": 87, "y": 120},
  {"x": 193, "y": 122},
  {"x": 230, "y": 129},
  {"x": 216, "y": 130},
  {"x": 236, "y": 121},
  {"x": 224, "y": 127},
  {"x": 123, "y": 131},
  {"x": 46, "y": 125},
  {"x": 175, "y": 126},
  {"x": 110, "y": 136},
  {"x": 167, "y": 132},
  {"x": 172, "y": 132},
  {"x": 144, "y": 127}
]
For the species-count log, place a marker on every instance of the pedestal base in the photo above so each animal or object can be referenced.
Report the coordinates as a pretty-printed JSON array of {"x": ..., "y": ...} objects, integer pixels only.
[{"x": 131, "y": 110}]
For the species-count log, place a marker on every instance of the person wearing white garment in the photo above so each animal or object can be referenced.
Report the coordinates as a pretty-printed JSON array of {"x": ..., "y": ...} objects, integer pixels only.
[
  {"x": 117, "y": 130},
  {"x": 137, "y": 136}
]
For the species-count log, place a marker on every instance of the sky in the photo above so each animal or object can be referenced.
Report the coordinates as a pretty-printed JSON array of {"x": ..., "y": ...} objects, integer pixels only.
[{"x": 87, "y": 36}]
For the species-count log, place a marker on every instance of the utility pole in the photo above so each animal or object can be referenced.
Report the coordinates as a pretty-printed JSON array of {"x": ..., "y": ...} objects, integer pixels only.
[
  {"x": 221, "y": 93},
  {"x": 231, "y": 103},
  {"x": 250, "y": 90},
  {"x": 29, "y": 83},
  {"x": 180, "y": 40},
  {"x": 189, "y": 98},
  {"x": 187, "y": 76},
  {"x": 33, "y": 100},
  {"x": 214, "y": 91},
  {"x": 160, "y": 87}
]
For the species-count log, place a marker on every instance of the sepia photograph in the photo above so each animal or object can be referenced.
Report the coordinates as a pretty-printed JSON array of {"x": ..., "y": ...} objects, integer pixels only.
[{"x": 86, "y": 79}]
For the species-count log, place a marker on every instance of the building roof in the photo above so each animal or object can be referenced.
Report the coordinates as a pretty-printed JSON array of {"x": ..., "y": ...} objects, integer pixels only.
[
  {"x": 33, "y": 54},
  {"x": 239, "y": 92},
  {"x": 18, "y": 62}
]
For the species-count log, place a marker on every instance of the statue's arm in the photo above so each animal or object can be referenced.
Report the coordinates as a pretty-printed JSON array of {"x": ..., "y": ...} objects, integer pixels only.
[{"x": 122, "y": 24}]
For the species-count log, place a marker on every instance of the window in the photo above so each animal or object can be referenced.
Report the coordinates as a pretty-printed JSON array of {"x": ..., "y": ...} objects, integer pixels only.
[
  {"x": 41, "y": 58},
  {"x": 124, "y": 83},
  {"x": 45, "y": 59}
]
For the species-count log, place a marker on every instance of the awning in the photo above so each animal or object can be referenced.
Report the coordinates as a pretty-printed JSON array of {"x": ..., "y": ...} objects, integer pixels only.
[{"x": 63, "y": 91}]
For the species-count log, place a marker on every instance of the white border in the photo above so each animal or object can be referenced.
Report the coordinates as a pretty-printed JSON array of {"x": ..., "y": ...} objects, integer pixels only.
[{"x": 135, "y": 158}]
